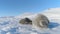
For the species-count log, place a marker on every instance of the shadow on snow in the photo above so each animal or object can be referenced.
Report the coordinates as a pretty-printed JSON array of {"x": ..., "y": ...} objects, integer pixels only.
[{"x": 52, "y": 25}]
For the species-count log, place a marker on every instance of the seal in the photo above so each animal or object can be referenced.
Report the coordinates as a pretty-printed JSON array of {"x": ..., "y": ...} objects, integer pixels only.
[{"x": 40, "y": 21}]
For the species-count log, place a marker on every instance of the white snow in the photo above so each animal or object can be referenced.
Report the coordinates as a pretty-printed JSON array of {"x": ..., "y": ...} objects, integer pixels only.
[{"x": 10, "y": 25}]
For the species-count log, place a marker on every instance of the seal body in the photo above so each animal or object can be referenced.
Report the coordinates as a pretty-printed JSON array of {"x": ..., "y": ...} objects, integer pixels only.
[
  {"x": 25, "y": 21},
  {"x": 40, "y": 21}
]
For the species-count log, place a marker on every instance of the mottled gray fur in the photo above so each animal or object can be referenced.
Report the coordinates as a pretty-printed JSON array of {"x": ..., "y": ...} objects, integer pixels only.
[{"x": 40, "y": 21}]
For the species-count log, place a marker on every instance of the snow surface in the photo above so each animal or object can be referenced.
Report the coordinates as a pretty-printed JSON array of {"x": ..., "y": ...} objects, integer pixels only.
[{"x": 10, "y": 25}]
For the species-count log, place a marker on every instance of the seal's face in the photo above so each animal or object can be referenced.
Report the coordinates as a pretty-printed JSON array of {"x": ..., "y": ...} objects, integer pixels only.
[{"x": 43, "y": 23}]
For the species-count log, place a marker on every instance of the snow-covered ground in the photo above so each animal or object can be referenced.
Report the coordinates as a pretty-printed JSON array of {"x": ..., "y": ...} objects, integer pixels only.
[{"x": 10, "y": 25}]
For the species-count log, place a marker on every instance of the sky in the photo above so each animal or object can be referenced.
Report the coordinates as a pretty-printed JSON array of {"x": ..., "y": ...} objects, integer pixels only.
[{"x": 16, "y": 7}]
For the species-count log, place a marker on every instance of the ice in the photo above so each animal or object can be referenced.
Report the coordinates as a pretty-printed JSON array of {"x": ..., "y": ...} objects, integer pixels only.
[{"x": 11, "y": 25}]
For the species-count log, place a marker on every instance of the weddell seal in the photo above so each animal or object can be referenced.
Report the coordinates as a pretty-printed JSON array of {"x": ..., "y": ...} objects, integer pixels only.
[
  {"x": 25, "y": 21},
  {"x": 40, "y": 21}
]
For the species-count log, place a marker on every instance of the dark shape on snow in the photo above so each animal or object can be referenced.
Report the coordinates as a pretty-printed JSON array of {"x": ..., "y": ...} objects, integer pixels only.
[{"x": 25, "y": 21}]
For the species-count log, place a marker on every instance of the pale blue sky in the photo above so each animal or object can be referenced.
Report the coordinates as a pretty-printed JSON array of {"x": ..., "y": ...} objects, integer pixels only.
[{"x": 16, "y": 7}]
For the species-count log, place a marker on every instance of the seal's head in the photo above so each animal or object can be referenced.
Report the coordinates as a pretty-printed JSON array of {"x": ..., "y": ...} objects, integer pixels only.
[{"x": 40, "y": 21}]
